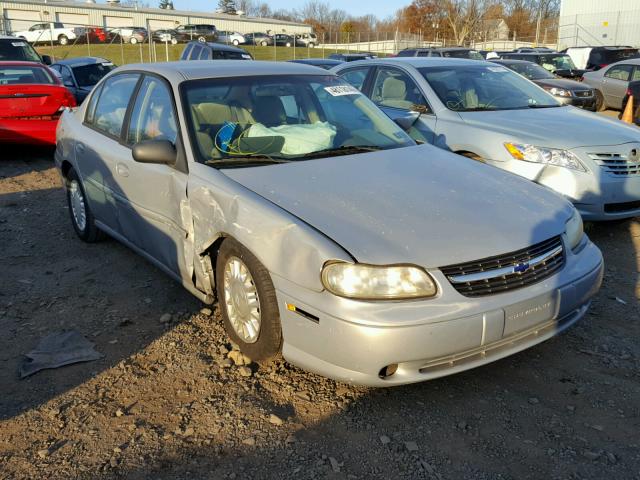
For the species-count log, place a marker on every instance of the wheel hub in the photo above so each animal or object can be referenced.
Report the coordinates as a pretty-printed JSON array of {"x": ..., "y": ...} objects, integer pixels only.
[
  {"x": 241, "y": 300},
  {"x": 78, "y": 209}
]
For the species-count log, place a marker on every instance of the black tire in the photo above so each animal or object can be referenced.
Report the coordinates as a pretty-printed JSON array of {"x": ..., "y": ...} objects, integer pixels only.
[
  {"x": 133, "y": 40},
  {"x": 269, "y": 340},
  {"x": 236, "y": 42},
  {"x": 63, "y": 40},
  {"x": 264, "y": 43},
  {"x": 90, "y": 233},
  {"x": 202, "y": 39},
  {"x": 288, "y": 44},
  {"x": 311, "y": 45},
  {"x": 600, "y": 106}
]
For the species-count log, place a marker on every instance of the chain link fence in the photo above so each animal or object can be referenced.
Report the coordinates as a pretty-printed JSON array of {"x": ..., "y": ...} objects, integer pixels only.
[{"x": 124, "y": 45}]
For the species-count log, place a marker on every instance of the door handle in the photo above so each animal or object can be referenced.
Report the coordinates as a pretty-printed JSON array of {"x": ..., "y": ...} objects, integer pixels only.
[{"x": 122, "y": 169}]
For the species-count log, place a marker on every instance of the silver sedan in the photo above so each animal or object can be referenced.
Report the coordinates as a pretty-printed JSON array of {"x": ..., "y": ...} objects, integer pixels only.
[
  {"x": 321, "y": 228},
  {"x": 489, "y": 113},
  {"x": 611, "y": 82}
]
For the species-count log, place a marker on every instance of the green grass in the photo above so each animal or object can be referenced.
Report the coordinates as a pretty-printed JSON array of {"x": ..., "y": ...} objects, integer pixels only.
[{"x": 123, "y": 54}]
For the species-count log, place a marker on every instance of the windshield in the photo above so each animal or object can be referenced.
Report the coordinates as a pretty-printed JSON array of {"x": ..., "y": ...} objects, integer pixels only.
[
  {"x": 283, "y": 118},
  {"x": 89, "y": 75},
  {"x": 472, "y": 54},
  {"x": 482, "y": 87},
  {"x": 530, "y": 70},
  {"x": 17, "y": 75},
  {"x": 557, "y": 62},
  {"x": 18, "y": 50}
]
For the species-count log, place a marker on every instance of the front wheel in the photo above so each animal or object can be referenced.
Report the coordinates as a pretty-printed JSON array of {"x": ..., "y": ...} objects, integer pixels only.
[
  {"x": 248, "y": 303},
  {"x": 263, "y": 43},
  {"x": 63, "y": 40},
  {"x": 600, "y": 106},
  {"x": 81, "y": 216},
  {"x": 288, "y": 44},
  {"x": 311, "y": 45},
  {"x": 202, "y": 39},
  {"x": 133, "y": 40},
  {"x": 174, "y": 41},
  {"x": 236, "y": 42}
]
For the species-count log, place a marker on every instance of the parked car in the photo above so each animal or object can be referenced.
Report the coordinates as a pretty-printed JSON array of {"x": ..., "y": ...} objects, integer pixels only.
[
  {"x": 165, "y": 35},
  {"x": 213, "y": 51},
  {"x": 234, "y": 179},
  {"x": 200, "y": 32},
  {"x": 491, "y": 54},
  {"x": 132, "y": 35},
  {"x": 326, "y": 63},
  {"x": 95, "y": 35},
  {"x": 32, "y": 99},
  {"x": 489, "y": 113},
  {"x": 350, "y": 57},
  {"x": 453, "y": 52},
  {"x": 564, "y": 90},
  {"x": 234, "y": 38},
  {"x": 634, "y": 90},
  {"x": 284, "y": 40},
  {"x": 81, "y": 74},
  {"x": 13, "y": 48},
  {"x": 611, "y": 83},
  {"x": 258, "y": 38},
  {"x": 559, "y": 64},
  {"x": 49, "y": 32},
  {"x": 595, "y": 58},
  {"x": 308, "y": 39}
]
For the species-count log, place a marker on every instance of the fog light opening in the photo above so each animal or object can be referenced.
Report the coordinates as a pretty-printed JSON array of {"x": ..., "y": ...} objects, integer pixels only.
[{"x": 386, "y": 372}]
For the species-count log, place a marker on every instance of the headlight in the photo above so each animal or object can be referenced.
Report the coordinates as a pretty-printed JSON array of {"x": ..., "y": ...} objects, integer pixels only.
[
  {"x": 548, "y": 156},
  {"x": 559, "y": 92},
  {"x": 372, "y": 282},
  {"x": 574, "y": 230}
]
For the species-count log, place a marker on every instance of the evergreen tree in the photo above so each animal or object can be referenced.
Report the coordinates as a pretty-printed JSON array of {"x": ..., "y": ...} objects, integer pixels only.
[{"x": 227, "y": 6}]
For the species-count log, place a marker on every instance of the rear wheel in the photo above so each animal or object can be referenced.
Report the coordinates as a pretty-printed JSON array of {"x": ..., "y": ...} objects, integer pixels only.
[
  {"x": 600, "y": 106},
  {"x": 236, "y": 42},
  {"x": 174, "y": 41},
  {"x": 81, "y": 216},
  {"x": 264, "y": 43},
  {"x": 288, "y": 44},
  {"x": 63, "y": 40},
  {"x": 133, "y": 40},
  {"x": 202, "y": 39},
  {"x": 247, "y": 301},
  {"x": 311, "y": 45}
]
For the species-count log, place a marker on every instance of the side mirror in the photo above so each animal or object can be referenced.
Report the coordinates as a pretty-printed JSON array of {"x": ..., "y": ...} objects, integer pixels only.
[
  {"x": 47, "y": 60},
  {"x": 155, "y": 151},
  {"x": 408, "y": 121}
]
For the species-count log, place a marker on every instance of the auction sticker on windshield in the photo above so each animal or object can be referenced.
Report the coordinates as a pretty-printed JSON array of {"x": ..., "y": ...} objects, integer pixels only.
[{"x": 339, "y": 90}]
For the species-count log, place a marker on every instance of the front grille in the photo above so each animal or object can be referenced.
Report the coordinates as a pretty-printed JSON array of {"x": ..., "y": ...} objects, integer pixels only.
[
  {"x": 583, "y": 93},
  {"x": 497, "y": 274},
  {"x": 621, "y": 207},
  {"x": 617, "y": 164}
]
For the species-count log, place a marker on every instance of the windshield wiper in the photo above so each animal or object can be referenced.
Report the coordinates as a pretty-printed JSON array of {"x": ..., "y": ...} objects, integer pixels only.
[
  {"x": 246, "y": 159},
  {"x": 343, "y": 150},
  {"x": 535, "y": 105}
]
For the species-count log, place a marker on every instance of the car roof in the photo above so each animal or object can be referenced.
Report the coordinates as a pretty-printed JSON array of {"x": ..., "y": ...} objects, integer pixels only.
[
  {"x": 318, "y": 61},
  {"x": 220, "y": 47},
  {"x": 19, "y": 63},
  {"x": 180, "y": 71},
  {"x": 419, "y": 62},
  {"x": 8, "y": 37},
  {"x": 79, "y": 61}
]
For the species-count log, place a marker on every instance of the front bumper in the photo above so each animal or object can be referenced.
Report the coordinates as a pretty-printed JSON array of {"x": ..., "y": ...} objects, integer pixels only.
[
  {"x": 597, "y": 194},
  {"x": 588, "y": 103},
  {"x": 31, "y": 132},
  {"x": 352, "y": 340}
]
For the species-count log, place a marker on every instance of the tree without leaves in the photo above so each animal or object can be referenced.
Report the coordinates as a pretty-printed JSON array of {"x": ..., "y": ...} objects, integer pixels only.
[{"x": 227, "y": 6}]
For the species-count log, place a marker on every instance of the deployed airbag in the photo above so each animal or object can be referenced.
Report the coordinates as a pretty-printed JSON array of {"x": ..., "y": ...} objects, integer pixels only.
[{"x": 298, "y": 139}]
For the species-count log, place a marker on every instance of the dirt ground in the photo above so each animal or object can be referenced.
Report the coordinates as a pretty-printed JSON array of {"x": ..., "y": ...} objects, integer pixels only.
[{"x": 166, "y": 401}]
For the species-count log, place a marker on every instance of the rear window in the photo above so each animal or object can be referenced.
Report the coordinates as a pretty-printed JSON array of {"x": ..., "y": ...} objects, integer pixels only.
[
  {"x": 88, "y": 75},
  {"x": 406, "y": 53},
  {"x": 17, "y": 50},
  {"x": 612, "y": 56},
  {"x": 19, "y": 75}
]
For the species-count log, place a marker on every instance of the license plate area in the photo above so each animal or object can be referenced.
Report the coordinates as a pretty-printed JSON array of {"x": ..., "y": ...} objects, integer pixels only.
[{"x": 527, "y": 314}]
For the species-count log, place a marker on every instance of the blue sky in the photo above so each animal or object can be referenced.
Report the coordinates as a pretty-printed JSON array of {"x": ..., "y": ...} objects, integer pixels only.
[{"x": 379, "y": 8}]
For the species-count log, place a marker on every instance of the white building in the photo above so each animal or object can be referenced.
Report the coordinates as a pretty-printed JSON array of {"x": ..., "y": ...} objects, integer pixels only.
[
  {"x": 16, "y": 15},
  {"x": 599, "y": 22}
]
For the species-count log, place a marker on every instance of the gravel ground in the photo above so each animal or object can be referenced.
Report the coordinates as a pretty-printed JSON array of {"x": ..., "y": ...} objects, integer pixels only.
[{"x": 171, "y": 399}]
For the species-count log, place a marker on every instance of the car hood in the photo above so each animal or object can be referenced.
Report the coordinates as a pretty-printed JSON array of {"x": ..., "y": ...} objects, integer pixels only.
[
  {"x": 560, "y": 127},
  {"x": 561, "y": 83},
  {"x": 417, "y": 205}
]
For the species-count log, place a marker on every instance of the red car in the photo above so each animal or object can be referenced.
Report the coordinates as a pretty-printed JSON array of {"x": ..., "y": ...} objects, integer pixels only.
[{"x": 32, "y": 98}]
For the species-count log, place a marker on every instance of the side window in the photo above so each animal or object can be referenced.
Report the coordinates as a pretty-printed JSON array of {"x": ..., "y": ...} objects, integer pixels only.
[
  {"x": 205, "y": 54},
  {"x": 195, "y": 53},
  {"x": 153, "y": 116},
  {"x": 619, "y": 72},
  {"x": 355, "y": 76},
  {"x": 112, "y": 105},
  {"x": 67, "y": 78},
  {"x": 636, "y": 74},
  {"x": 423, "y": 53},
  {"x": 187, "y": 52},
  {"x": 91, "y": 108},
  {"x": 394, "y": 88}
]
